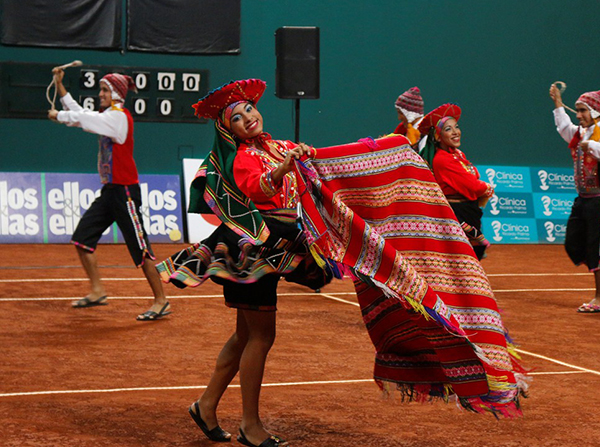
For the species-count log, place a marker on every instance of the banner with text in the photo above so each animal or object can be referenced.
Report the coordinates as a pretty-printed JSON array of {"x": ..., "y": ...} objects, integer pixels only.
[
  {"x": 529, "y": 205},
  {"x": 46, "y": 207}
]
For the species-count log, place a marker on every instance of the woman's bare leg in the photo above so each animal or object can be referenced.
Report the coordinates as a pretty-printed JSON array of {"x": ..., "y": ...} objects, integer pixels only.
[
  {"x": 261, "y": 335},
  {"x": 228, "y": 365}
]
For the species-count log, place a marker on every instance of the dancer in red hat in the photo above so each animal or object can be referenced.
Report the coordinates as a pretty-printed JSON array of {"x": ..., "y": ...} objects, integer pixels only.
[
  {"x": 457, "y": 176},
  {"x": 369, "y": 209},
  {"x": 582, "y": 241},
  {"x": 247, "y": 181},
  {"x": 120, "y": 199}
]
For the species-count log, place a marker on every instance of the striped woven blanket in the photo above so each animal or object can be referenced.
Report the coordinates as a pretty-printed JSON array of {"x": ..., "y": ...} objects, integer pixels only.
[{"x": 374, "y": 209}]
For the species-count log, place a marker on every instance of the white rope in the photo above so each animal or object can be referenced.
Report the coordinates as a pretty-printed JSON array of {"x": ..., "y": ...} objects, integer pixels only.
[
  {"x": 562, "y": 86},
  {"x": 53, "y": 100},
  {"x": 53, "y": 83}
]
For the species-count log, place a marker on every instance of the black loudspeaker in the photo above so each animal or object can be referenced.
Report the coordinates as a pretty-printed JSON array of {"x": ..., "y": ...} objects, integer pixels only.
[{"x": 297, "y": 51}]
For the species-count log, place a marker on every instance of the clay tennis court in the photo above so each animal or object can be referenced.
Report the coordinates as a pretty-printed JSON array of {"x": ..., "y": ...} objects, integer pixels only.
[{"x": 97, "y": 377}]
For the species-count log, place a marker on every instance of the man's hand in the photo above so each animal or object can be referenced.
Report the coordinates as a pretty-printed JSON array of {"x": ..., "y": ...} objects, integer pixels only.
[
  {"x": 52, "y": 115},
  {"x": 585, "y": 146},
  {"x": 59, "y": 74},
  {"x": 556, "y": 96}
]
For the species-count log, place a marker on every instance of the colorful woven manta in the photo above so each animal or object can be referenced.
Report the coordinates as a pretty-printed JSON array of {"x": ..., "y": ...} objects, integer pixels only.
[{"x": 374, "y": 209}]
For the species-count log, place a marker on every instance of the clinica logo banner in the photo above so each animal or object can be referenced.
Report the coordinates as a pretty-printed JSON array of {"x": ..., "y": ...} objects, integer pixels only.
[
  {"x": 529, "y": 205},
  {"x": 510, "y": 231},
  {"x": 506, "y": 178},
  {"x": 505, "y": 204},
  {"x": 553, "y": 205},
  {"x": 551, "y": 180},
  {"x": 552, "y": 232}
]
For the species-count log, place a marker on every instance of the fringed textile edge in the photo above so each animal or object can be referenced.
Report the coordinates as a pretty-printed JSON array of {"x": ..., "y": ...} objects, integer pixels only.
[{"x": 499, "y": 402}]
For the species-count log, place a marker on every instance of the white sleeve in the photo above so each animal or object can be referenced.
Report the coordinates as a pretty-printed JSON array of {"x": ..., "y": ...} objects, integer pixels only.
[
  {"x": 111, "y": 123},
  {"x": 594, "y": 148},
  {"x": 564, "y": 126},
  {"x": 69, "y": 103}
]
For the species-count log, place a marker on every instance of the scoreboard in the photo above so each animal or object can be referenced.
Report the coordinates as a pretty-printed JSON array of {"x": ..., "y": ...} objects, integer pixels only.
[{"x": 164, "y": 94}]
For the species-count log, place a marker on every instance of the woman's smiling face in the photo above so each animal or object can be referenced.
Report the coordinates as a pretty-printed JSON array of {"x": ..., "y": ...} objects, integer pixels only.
[
  {"x": 246, "y": 121},
  {"x": 450, "y": 135}
]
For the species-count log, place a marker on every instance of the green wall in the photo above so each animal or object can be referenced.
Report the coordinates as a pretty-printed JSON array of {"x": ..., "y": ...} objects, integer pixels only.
[{"x": 495, "y": 59}]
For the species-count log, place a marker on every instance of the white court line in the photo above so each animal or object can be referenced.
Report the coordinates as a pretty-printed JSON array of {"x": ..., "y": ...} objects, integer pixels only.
[
  {"x": 326, "y": 295},
  {"x": 542, "y": 290},
  {"x": 538, "y": 274},
  {"x": 68, "y": 279},
  {"x": 168, "y": 388},
  {"x": 144, "y": 279},
  {"x": 578, "y": 368},
  {"x": 170, "y": 297},
  {"x": 331, "y": 297},
  {"x": 558, "y": 362}
]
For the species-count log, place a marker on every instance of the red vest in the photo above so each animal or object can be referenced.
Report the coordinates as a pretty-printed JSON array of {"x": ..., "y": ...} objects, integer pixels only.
[
  {"x": 586, "y": 169},
  {"x": 115, "y": 161}
]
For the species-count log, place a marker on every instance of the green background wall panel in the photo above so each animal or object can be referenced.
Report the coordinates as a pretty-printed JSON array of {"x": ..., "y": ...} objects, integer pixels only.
[{"x": 495, "y": 59}]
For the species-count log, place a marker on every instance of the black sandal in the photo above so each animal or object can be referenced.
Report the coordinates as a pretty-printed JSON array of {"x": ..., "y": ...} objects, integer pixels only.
[
  {"x": 217, "y": 434},
  {"x": 272, "y": 441}
]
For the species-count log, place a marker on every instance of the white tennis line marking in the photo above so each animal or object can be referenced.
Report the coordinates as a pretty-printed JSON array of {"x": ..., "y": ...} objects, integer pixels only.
[
  {"x": 334, "y": 298},
  {"x": 578, "y": 368},
  {"x": 201, "y": 387},
  {"x": 170, "y": 297},
  {"x": 538, "y": 274},
  {"x": 326, "y": 295},
  {"x": 144, "y": 279},
  {"x": 542, "y": 290},
  {"x": 69, "y": 279},
  {"x": 558, "y": 362},
  {"x": 193, "y": 387}
]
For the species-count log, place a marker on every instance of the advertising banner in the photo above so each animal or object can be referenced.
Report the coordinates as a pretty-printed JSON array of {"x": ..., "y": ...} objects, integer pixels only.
[
  {"x": 46, "y": 207},
  {"x": 199, "y": 226},
  {"x": 21, "y": 208},
  {"x": 529, "y": 206},
  {"x": 505, "y": 204},
  {"x": 551, "y": 231},
  {"x": 510, "y": 231},
  {"x": 506, "y": 178},
  {"x": 553, "y": 205},
  {"x": 551, "y": 180}
]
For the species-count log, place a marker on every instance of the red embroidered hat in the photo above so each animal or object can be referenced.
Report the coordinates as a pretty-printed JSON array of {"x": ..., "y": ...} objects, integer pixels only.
[
  {"x": 119, "y": 85},
  {"x": 246, "y": 90},
  {"x": 433, "y": 118},
  {"x": 592, "y": 100}
]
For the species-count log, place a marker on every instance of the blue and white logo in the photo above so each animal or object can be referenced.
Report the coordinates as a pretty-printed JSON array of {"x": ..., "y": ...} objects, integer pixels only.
[
  {"x": 510, "y": 230},
  {"x": 546, "y": 202},
  {"x": 543, "y": 176},
  {"x": 493, "y": 204},
  {"x": 504, "y": 204},
  {"x": 553, "y": 231},
  {"x": 549, "y": 226},
  {"x": 507, "y": 178},
  {"x": 553, "y": 179},
  {"x": 552, "y": 205},
  {"x": 497, "y": 227},
  {"x": 491, "y": 175}
]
